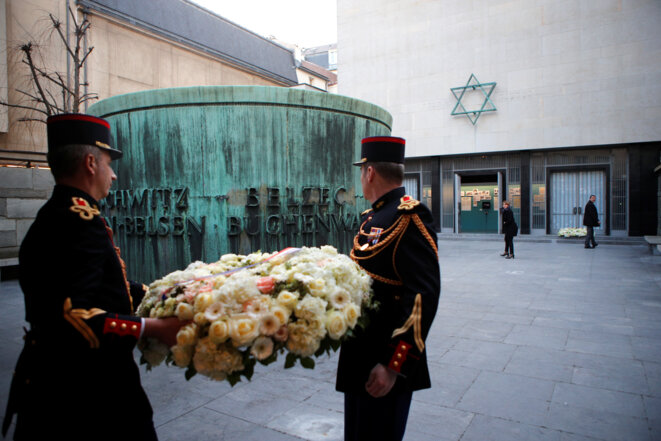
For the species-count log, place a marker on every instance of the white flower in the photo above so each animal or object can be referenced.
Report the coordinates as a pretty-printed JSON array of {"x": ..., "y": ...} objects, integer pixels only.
[
  {"x": 336, "y": 324},
  {"x": 154, "y": 351},
  {"x": 302, "y": 339},
  {"x": 243, "y": 329},
  {"x": 281, "y": 313},
  {"x": 269, "y": 324},
  {"x": 262, "y": 348},
  {"x": 340, "y": 298},
  {"x": 311, "y": 308},
  {"x": 213, "y": 311}
]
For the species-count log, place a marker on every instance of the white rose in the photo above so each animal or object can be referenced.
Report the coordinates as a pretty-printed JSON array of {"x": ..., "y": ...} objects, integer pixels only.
[
  {"x": 200, "y": 318},
  {"x": 243, "y": 329},
  {"x": 317, "y": 287},
  {"x": 184, "y": 311},
  {"x": 262, "y": 348},
  {"x": 301, "y": 341},
  {"x": 281, "y": 313},
  {"x": 336, "y": 324}
]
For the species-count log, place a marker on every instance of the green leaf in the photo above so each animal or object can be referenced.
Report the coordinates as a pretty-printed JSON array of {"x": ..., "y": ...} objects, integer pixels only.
[
  {"x": 307, "y": 363},
  {"x": 190, "y": 372},
  {"x": 290, "y": 361}
]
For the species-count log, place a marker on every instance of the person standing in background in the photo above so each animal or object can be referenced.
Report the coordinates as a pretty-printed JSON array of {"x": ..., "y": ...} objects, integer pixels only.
[
  {"x": 510, "y": 229},
  {"x": 591, "y": 220}
]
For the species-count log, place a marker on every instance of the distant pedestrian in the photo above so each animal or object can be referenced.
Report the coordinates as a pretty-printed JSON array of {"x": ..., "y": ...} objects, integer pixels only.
[
  {"x": 591, "y": 220},
  {"x": 510, "y": 228}
]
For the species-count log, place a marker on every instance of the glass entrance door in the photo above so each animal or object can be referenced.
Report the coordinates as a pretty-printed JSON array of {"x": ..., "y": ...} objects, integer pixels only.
[{"x": 570, "y": 192}]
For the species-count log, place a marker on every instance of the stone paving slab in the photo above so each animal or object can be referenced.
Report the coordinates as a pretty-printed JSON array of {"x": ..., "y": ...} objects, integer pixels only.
[{"x": 559, "y": 344}]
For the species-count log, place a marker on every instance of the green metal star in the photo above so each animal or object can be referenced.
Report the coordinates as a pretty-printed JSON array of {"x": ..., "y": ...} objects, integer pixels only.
[{"x": 473, "y": 86}]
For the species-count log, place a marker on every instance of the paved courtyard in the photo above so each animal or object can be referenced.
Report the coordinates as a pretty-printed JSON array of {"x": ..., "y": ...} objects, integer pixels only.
[{"x": 560, "y": 344}]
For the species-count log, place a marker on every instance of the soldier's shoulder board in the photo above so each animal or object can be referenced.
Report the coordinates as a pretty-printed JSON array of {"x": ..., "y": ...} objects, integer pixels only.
[
  {"x": 407, "y": 203},
  {"x": 365, "y": 212}
]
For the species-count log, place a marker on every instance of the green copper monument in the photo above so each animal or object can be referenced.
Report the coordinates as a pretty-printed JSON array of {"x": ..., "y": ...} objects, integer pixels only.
[{"x": 221, "y": 169}]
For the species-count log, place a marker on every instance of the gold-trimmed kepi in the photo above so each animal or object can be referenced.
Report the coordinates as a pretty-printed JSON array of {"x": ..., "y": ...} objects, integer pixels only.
[
  {"x": 382, "y": 149},
  {"x": 76, "y": 128}
]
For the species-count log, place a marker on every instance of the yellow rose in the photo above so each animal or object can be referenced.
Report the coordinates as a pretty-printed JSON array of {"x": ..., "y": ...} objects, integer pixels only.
[
  {"x": 182, "y": 355},
  {"x": 351, "y": 313},
  {"x": 281, "y": 313},
  {"x": 200, "y": 318},
  {"x": 243, "y": 329},
  {"x": 219, "y": 331},
  {"x": 184, "y": 311},
  {"x": 202, "y": 302},
  {"x": 336, "y": 324},
  {"x": 287, "y": 299},
  {"x": 187, "y": 335},
  {"x": 317, "y": 287}
]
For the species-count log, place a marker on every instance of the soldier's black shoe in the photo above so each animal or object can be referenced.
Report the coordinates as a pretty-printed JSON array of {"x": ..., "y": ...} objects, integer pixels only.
[
  {"x": 504, "y": 254},
  {"x": 588, "y": 246}
]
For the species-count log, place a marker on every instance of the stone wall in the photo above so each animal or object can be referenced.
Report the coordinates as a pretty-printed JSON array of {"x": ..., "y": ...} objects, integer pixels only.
[{"x": 22, "y": 193}]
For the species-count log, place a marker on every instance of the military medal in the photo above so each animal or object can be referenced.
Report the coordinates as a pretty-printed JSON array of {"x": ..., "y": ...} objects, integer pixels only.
[{"x": 375, "y": 233}]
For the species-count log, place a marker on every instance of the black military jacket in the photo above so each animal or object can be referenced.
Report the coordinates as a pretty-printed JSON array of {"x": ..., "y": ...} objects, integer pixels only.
[
  {"x": 77, "y": 366},
  {"x": 397, "y": 247}
]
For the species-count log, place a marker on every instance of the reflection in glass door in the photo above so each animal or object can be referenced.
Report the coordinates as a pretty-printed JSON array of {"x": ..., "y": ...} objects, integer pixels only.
[{"x": 570, "y": 193}]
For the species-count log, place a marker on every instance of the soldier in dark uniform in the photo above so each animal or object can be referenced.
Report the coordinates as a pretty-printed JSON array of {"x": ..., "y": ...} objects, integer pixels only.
[
  {"x": 76, "y": 377},
  {"x": 381, "y": 366}
]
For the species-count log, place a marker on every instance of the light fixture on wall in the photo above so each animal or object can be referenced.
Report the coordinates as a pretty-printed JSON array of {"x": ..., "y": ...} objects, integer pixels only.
[{"x": 472, "y": 85}]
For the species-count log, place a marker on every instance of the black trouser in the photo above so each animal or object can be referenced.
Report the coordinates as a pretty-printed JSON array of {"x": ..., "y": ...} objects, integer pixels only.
[
  {"x": 590, "y": 237},
  {"x": 375, "y": 419},
  {"x": 509, "y": 244}
]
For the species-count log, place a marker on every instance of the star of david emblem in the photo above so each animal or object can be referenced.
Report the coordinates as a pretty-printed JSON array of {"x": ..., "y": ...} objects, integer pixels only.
[{"x": 473, "y": 85}]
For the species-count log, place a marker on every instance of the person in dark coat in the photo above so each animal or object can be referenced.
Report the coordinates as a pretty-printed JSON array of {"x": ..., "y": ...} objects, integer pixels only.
[
  {"x": 590, "y": 220},
  {"x": 510, "y": 229},
  {"x": 76, "y": 378},
  {"x": 382, "y": 364}
]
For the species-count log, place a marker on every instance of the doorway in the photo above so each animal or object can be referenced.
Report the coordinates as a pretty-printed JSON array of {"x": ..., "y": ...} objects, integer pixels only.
[
  {"x": 478, "y": 204},
  {"x": 569, "y": 192}
]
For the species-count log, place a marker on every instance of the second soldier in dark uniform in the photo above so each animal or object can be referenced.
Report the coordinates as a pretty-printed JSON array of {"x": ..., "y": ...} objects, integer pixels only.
[
  {"x": 381, "y": 366},
  {"x": 76, "y": 378}
]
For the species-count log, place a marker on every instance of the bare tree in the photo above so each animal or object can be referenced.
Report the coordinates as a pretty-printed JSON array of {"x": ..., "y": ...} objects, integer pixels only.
[{"x": 53, "y": 92}]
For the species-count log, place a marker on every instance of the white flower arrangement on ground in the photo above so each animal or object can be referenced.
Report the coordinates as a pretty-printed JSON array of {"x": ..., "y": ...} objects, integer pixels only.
[
  {"x": 245, "y": 309},
  {"x": 572, "y": 232}
]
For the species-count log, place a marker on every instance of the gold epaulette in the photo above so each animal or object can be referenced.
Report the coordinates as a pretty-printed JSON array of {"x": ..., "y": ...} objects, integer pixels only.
[
  {"x": 365, "y": 212},
  {"x": 83, "y": 208},
  {"x": 407, "y": 203}
]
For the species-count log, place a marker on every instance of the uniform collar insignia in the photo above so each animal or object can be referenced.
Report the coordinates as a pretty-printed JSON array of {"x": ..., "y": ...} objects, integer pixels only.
[{"x": 83, "y": 208}]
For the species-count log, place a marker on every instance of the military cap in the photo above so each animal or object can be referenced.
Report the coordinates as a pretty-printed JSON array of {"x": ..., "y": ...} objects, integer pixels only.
[
  {"x": 382, "y": 149},
  {"x": 76, "y": 128}
]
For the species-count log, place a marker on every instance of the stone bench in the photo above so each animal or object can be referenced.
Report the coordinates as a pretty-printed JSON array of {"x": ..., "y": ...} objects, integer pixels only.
[{"x": 654, "y": 242}]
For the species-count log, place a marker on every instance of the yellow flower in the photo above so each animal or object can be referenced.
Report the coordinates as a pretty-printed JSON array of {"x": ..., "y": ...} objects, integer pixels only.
[
  {"x": 202, "y": 302},
  {"x": 351, "y": 313},
  {"x": 182, "y": 355},
  {"x": 184, "y": 311},
  {"x": 336, "y": 324},
  {"x": 288, "y": 299},
  {"x": 219, "y": 331},
  {"x": 243, "y": 329},
  {"x": 187, "y": 335}
]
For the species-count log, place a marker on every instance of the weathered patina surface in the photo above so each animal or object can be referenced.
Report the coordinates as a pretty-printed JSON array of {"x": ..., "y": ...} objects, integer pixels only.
[{"x": 213, "y": 170}]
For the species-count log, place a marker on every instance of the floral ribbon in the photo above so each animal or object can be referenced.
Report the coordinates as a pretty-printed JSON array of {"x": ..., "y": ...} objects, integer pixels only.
[{"x": 282, "y": 253}]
